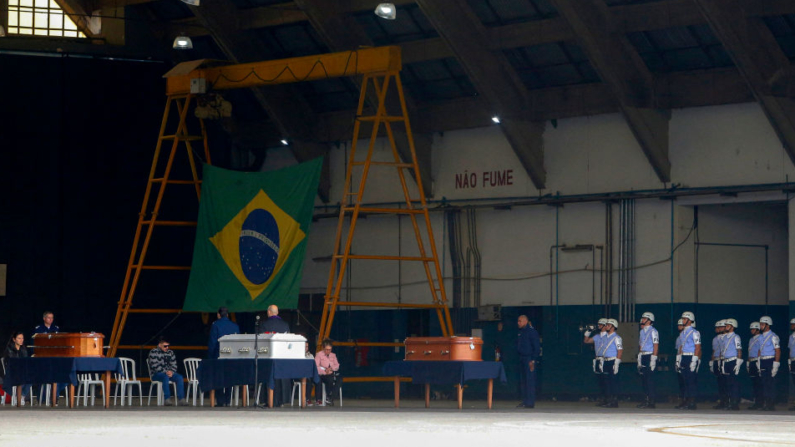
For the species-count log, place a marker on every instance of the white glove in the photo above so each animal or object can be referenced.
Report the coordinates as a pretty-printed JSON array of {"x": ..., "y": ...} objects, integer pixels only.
[
  {"x": 594, "y": 365},
  {"x": 698, "y": 363},
  {"x": 789, "y": 363},
  {"x": 774, "y": 371},
  {"x": 587, "y": 334},
  {"x": 653, "y": 362},
  {"x": 678, "y": 361},
  {"x": 615, "y": 366},
  {"x": 640, "y": 364},
  {"x": 693, "y": 364},
  {"x": 711, "y": 364},
  {"x": 737, "y": 367},
  {"x": 748, "y": 367}
]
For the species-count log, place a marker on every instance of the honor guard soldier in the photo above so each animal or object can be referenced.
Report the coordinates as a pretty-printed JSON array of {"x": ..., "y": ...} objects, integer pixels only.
[
  {"x": 598, "y": 361},
  {"x": 769, "y": 362},
  {"x": 714, "y": 364},
  {"x": 753, "y": 367},
  {"x": 791, "y": 359},
  {"x": 687, "y": 360},
  {"x": 680, "y": 326},
  {"x": 731, "y": 360},
  {"x": 612, "y": 349},
  {"x": 647, "y": 357}
]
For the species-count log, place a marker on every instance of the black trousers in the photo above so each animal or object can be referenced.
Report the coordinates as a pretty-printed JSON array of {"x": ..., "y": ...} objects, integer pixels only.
[
  {"x": 691, "y": 383},
  {"x": 768, "y": 381},
  {"x": 730, "y": 383},
  {"x": 756, "y": 381},
  {"x": 647, "y": 376},
  {"x": 332, "y": 385},
  {"x": 612, "y": 379}
]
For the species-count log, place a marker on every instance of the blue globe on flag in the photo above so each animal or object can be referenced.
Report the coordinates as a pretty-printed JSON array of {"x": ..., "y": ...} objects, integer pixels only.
[{"x": 259, "y": 246}]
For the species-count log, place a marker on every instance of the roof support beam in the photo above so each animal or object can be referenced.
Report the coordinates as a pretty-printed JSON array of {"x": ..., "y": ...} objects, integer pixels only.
[
  {"x": 625, "y": 74},
  {"x": 493, "y": 77},
  {"x": 341, "y": 32},
  {"x": 758, "y": 57},
  {"x": 283, "y": 104}
]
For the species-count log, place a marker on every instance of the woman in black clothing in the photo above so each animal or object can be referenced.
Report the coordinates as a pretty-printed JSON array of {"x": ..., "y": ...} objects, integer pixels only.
[{"x": 16, "y": 349}]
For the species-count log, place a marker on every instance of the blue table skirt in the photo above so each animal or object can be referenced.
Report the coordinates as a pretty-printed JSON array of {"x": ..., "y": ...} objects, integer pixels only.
[
  {"x": 444, "y": 372},
  {"x": 216, "y": 374},
  {"x": 41, "y": 370}
]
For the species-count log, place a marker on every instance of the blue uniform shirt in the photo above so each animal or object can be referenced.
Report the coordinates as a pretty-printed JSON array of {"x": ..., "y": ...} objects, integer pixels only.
[
  {"x": 597, "y": 342},
  {"x": 792, "y": 345},
  {"x": 690, "y": 338},
  {"x": 731, "y": 346},
  {"x": 753, "y": 347},
  {"x": 527, "y": 343},
  {"x": 717, "y": 346},
  {"x": 221, "y": 327},
  {"x": 678, "y": 343},
  {"x": 611, "y": 344},
  {"x": 42, "y": 329},
  {"x": 648, "y": 338},
  {"x": 768, "y": 344}
]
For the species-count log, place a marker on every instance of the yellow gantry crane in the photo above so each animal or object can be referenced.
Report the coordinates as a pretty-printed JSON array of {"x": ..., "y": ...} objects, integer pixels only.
[{"x": 377, "y": 66}]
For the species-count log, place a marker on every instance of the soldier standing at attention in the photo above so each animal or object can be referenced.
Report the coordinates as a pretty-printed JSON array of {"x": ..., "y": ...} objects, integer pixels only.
[
  {"x": 688, "y": 359},
  {"x": 791, "y": 358},
  {"x": 714, "y": 364},
  {"x": 647, "y": 357},
  {"x": 753, "y": 367},
  {"x": 598, "y": 361},
  {"x": 680, "y": 326},
  {"x": 769, "y": 362},
  {"x": 731, "y": 360}
]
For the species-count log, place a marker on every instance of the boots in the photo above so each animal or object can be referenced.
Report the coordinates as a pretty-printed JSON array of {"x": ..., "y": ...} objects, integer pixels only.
[
  {"x": 648, "y": 403},
  {"x": 720, "y": 406},
  {"x": 734, "y": 405},
  {"x": 612, "y": 403},
  {"x": 769, "y": 405},
  {"x": 756, "y": 406},
  {"x": 681, "y": 405},
  {"x": 690, "y": 404}
]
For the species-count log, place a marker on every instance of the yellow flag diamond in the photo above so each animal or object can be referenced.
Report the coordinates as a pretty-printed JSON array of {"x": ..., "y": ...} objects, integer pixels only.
[{"x": 257, "y": 242}]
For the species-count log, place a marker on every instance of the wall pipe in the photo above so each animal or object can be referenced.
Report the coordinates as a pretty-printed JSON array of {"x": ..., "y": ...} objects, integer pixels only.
[
  {"x": 557, "y": 269},
  {"x": 672, "y": 262},
  {"x": 767, "y": 251}
]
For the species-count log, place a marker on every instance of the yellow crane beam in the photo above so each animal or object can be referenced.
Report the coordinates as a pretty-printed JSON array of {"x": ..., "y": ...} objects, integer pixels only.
[{"x": 284, "y": 71}]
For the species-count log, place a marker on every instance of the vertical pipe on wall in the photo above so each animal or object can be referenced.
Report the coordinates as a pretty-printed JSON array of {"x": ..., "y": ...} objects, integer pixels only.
[
  {"x": 608, "y": 301},
  {"x": 767, "y": 249},
  {"x": 672, "y": 262},
  {"x": 632, "y": 268},
  {"x": 695, "y": 255}
]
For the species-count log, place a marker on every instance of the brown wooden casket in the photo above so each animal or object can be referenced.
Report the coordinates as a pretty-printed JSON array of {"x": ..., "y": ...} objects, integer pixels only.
[
  {"x": 444, "y": 348},
  {"x": 65, "y": 344}
]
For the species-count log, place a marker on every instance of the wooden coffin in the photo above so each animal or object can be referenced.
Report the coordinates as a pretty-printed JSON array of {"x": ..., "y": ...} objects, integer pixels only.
[
  {"x": 65, "y": 344},
  {"x": 444, "y": 348}
]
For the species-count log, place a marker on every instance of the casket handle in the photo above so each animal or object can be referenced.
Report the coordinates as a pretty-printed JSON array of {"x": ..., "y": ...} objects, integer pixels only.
[
  {"x": 261, "y": 350},
  {"x": 226, "y": 350},
  {"x": 243, "y": 350},
  {"x": 427, "y": 352},
  {"x": 445, "y": 352},
  {"x": 410, "y": 353}
]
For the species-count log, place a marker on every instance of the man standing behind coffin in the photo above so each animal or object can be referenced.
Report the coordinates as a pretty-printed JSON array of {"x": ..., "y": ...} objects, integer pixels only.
[
  {"x": 529, "y": 349},
  {"x": 47, "y": 327},
  {"x": 222, "y": 326},
  {"x": 274, "y": 323}
]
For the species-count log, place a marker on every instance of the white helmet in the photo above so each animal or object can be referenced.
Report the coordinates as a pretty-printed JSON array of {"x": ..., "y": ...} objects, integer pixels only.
[
  {"x": 689, "y": 316},
  {"x": 731, "y": 322},
  {"x": 693, "y": 325},
  {"x": 613, "y": 322},
  {"x": 792, "y": 321},
  {"x": 680, "y": 322},
  {"x": 603, "y": 321},
  {"x": 755, "y": 325},
  {"x": 720, "y": 323},
  {"x": 648, "y": 315},
  {"x": 766, "y": 320}
]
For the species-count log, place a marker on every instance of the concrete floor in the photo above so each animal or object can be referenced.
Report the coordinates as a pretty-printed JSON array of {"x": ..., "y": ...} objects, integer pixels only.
[{"x": 376, "y": 422}]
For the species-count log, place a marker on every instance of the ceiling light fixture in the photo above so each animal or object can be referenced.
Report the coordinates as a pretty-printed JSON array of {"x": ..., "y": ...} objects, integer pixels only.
[
  {"x": 285, "y": 142},
  {"x": 386, "y": 11},
  {"x": 182, "y": 42},
  {"x": 191, "y": 2},
  {"x": 496, "y": 119},
  {"x": 2, "y": 31}
]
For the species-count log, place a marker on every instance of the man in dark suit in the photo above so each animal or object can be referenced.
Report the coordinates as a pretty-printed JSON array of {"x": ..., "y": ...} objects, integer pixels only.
[
  {"x": 222, "y": 326},
  {"x": 529, "y": 349},
  {"x": 274, "y": 323}
]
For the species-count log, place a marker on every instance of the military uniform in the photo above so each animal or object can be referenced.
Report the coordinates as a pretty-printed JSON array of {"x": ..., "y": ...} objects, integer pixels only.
[
  {"x": 222, "y": 326},
  {"x": 679, "y": 378},
  {"x": 598, "y": 364},
  {"x": 753, "y": 370},
  {"x": 714, "y": 366},
  {"x": 529, "y": 348},
  {"x": 768, "y": 367},
  {"x": 611, "y": 345},
  {"x": 687, "y": 364},
  {"x": 730, "y": 363},
  {"x": 647, "y": 363},
  {"x": 791, "y": 358}
]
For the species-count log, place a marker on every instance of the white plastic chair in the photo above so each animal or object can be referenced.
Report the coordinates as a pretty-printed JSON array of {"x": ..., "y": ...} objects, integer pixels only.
[
  {"x": 14, "y": 391},
  {"x": 191, "y": 365},
  {"x": 296, "y": 384},
  {"x": 45, "y": 392},
  {"x": 339, "y": 387},
  {"x": 86, "y": 381},
  {"x": 154, "y": 384},
  {"x": 126, "y": 381}
]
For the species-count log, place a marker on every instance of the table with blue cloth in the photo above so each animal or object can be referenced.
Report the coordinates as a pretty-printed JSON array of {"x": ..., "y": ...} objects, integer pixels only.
[
  {"x": 444, "y": 372},
  {"x": 54, "y": 370},
  {"x": 225, "y": 373}
]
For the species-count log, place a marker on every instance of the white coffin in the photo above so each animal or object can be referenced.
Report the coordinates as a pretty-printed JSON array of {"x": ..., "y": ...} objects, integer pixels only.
[{"x": 270, "y": 346}]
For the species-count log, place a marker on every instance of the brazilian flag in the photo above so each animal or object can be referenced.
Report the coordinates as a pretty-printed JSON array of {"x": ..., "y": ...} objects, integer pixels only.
[{"x": 251, "y": 238}]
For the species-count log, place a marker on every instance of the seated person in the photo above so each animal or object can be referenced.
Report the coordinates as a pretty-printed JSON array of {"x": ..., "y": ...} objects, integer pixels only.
[
  {"x": 163, "y": 366},
  {"x": 16, "y": 350},
  {"x": 328, "y": 368},
  {"x": 309, "y": 383}
]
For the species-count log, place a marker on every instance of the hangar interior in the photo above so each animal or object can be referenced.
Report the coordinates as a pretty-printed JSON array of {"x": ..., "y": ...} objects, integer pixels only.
[{"x": 581, "y": 158}]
